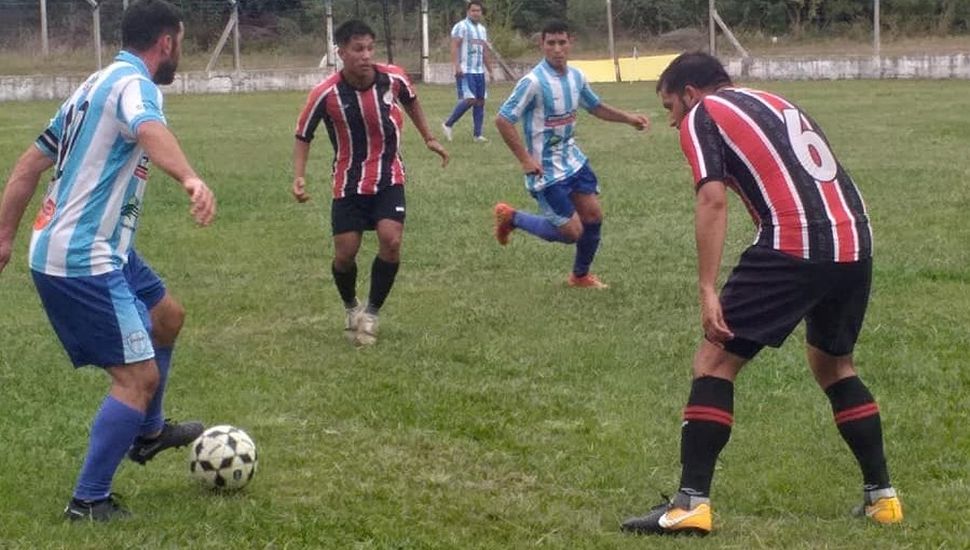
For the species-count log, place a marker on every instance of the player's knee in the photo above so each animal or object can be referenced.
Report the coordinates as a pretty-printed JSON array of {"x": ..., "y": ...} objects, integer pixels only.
[
  {"x": 390, "y": 250},
  {"x": 167, "y": 321},
  {"x": 571, "y": 233}
]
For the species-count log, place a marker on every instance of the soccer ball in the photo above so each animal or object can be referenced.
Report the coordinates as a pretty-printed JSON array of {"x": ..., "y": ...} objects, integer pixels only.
[{"x": 223, "y": 457}]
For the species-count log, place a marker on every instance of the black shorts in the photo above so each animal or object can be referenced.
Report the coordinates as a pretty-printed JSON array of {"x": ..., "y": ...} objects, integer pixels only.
[
  {"x": 770, "y": 292},
  {"x": 360, "y": 213}
]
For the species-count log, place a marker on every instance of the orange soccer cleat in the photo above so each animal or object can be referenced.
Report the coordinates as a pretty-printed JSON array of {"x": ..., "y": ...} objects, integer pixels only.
[
  {"x": 586, "y": 281},
  {"x": 503, "y": 222}
]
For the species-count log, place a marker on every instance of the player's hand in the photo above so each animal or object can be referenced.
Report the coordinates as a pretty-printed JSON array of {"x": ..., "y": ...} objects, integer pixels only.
[
  {"x": 299, "y": 190},
  {"x": 532, "y": 168},
  {"x": 458, "y": 73},
  {"x": 712, "y": 319},
  {"x": 640, "y": 122},
  {"x": 438, "y": 150},
  {"x": 6, "y": 250},
  {"x": 203, "y": 201}
]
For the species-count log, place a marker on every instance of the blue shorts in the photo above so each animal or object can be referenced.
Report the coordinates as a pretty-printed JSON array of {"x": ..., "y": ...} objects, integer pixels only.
[
  {"x": 471, "y": 86},
  {"x": 554, "y": 201},
  {"x": 103, "y": 320}
]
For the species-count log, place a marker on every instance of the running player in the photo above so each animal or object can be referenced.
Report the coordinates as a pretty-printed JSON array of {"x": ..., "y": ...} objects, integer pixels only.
[
  {"x": 557, "y": 173},
  {"x": 359, "y": 106},
  {"x": 106, "y": 305}
]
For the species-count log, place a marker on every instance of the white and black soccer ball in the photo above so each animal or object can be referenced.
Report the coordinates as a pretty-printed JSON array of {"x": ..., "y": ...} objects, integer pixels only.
[{"x": 223, "y": 457}]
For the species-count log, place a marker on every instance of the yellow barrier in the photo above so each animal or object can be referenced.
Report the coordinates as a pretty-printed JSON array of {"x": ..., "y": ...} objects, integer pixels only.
[{"x": 631, "y": 68}]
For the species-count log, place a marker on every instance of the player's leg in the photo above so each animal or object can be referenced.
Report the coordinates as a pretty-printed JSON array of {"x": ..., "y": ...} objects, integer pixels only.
[
  {"x": 386, "y": 262},
  {"x": 762, "y": 302},
  {"x": 100, "y": 322},
  {"x": 585, "y": 198},
  {"x": 389, "y": 215},
  {"x": 557, "y": 220},
  {"x": 465, "y": 100},
  {"x": 706, "y": 429},
  {"x": 478, "y": 107},
  {"x": 167, "y": 316},
  {"x": 348, "y": 219},
  {"x": 832, "y": 328}
]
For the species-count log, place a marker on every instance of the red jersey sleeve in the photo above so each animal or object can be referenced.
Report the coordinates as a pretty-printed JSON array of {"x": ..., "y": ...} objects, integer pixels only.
[
  {"x": 703, "y": 146},
  {"x": 403, "y": 88},
  {"x": 314, "y": 109}
]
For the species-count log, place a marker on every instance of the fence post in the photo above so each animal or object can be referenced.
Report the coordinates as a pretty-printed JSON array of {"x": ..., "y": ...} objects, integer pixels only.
[
  {"x": 96, "y": 14},
  {"x": 425, "y": 63},
  {"x": 609, "y": 30},
  {"x": 711, "y": 26},
  {"x": 236, "y": 59},
  {"x": 876, "y": 43},
  {"x": 331, "y": 62},
  {"x": 44, "y": 42}
]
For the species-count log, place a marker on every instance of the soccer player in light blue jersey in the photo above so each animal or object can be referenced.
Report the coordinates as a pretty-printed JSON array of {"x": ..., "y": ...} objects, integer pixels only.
[
  {"x": 106, "y": 305},
  {"x": 471, "y": 59},
  {"x": 557, "y": 173}
]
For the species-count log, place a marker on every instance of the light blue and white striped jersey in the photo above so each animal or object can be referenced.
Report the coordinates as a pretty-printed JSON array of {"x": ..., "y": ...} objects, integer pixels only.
[
  {"x": 474, "y": 40},
  {"x": 547, "y": 101},
  {"x": 88, "y": 218}
]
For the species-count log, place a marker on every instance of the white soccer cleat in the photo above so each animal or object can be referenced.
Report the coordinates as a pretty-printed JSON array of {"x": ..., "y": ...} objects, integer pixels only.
[
  {"x": 447, "y": 130},
  {"x": 366, "y": 329},
  {"x": 353, "y": 321},
  {"x": 481, "y": 139}
]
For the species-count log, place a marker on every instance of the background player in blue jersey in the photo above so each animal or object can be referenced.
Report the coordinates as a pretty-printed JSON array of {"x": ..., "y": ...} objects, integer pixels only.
[
  {"x": 471, "y": 59},
  {"x": 557, "y": 173},
  {"x": 108, "y": 308}
]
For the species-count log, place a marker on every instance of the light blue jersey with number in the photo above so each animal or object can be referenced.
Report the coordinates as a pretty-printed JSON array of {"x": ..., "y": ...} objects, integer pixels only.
[
  {"x": 547, "y": 102},
  {"x": 88, "y": 218},
  {"x": 474, "y": 40}
]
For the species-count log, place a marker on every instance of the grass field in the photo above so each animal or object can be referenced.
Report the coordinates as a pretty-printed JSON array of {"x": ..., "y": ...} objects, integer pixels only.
[{"x": 501, "y": 409}]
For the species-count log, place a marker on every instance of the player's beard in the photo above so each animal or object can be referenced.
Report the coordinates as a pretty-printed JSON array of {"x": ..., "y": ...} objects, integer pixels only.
[{"x": 165, "y": 74}]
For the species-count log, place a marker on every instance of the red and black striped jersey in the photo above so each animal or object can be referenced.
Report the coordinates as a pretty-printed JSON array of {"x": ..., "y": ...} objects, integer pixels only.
[
  {"x": 779, "y": 162},
  {"x": 364, "y": 128}
]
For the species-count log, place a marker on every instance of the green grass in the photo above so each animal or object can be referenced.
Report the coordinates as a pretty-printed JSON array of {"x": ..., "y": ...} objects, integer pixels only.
[{"x": 501, "y": 409}]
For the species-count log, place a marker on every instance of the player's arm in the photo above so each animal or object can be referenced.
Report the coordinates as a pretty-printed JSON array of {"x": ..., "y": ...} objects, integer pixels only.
[
  {"x": 416, "y": 114},
  {"x": 17, "y": 193},
  {"x": 612, "y": 114},
  {"x": 455, "y": 48},
  {"x": 710, "y": 228},
  {"x": 301, "y": 152},
  {"x": 487, "y": 58},
  {"x": 164, "y": 151},
  {"x": 514, "y": 142}
]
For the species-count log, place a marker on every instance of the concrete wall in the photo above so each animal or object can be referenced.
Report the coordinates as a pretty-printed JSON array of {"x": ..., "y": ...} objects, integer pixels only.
[
  {"x": 22, "y": 88},
  {"x": 858, "y": 67}
]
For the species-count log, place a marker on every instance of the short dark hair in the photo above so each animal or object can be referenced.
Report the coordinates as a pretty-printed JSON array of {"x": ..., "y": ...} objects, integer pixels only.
[
  {"x": 554, "y": 26},
  {"x": 350, "y": 29},
  {"x": 145, "y": 21},
  {"x": 696, "y": 69},
  {"x": 478, "y": 3}
]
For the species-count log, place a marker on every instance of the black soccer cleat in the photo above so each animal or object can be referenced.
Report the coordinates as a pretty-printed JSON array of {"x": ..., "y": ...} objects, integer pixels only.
[
  {"x": 98, "y": 510},
  {"x": 673, "y": 517},
  {"x": 173, "y": 434}
]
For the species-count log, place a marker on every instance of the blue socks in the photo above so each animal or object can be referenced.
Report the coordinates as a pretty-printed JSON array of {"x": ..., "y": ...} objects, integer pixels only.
[
  {"x": 538, "y": 226},
  {"x": 460, "y": 110},
  {"x": 586, "y": 248},
  {"x": 154, "y": 418},
  {"x": 478, "y": 117},
  {"x": 114, "y": 429}
]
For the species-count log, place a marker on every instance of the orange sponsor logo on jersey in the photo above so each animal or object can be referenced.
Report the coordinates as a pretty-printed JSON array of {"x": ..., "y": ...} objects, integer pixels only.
[{"x": 45, "y": 214}]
